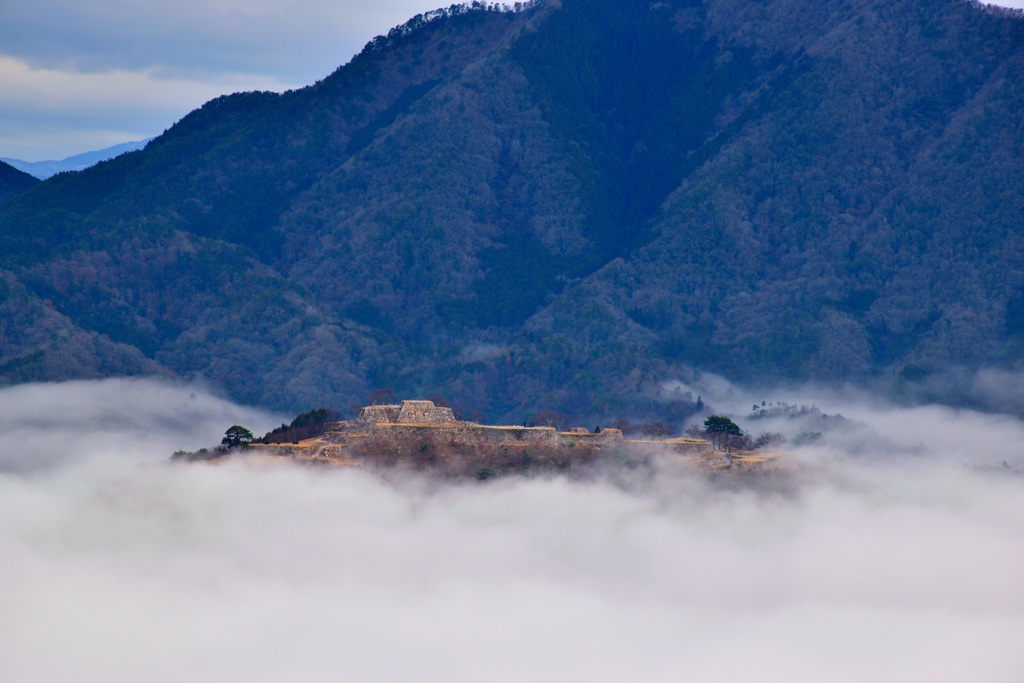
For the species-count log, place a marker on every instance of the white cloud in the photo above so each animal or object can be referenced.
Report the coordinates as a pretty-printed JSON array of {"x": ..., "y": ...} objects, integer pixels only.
[
  {"x": 50, "y": 89},
  {"x": 120, "y": 568},
  {"x": 74, "y": 75},
  {"x": 49, "y": 113},
  {"x": 282, "y": 37}
]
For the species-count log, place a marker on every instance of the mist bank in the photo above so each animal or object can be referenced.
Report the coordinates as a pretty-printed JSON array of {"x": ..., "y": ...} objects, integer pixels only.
[
  {"x": 46, "y": 426},
  {"x": 891, "y": 551}
]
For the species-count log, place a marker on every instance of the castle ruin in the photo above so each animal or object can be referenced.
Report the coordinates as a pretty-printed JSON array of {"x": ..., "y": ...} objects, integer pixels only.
[{"x": 426, "y": 424}]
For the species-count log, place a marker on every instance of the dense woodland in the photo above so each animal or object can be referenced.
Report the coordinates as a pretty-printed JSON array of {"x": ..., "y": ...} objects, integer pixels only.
[
  {"x": 557, "y": 207},
  {"x": 13, "y": 182}
]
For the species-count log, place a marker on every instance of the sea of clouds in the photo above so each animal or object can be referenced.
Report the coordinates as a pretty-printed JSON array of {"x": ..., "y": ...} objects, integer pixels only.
[{"x": 892, "y": 549}]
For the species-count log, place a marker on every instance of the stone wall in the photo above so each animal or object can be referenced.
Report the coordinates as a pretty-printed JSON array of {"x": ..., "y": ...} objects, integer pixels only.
[
  {"x": 286, "y": 450},
  {"x": 465, "y": 433},
  {"x": 424, "y": 422},
  {"x": 409, "y": 412},
  {"x": 375, "y": 414},
  {"x": 682, "y": 446},
  {"x": 470, "y": 433},
  {"x": 424, "y": 412},
  {"x": 343, "y": 438},
  {"x": 607, "y": 437}
]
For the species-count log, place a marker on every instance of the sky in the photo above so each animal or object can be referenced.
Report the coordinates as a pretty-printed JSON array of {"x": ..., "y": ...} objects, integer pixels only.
[
  {"x": 80, "y": 76},
  {"x": 890, "y": 550}
]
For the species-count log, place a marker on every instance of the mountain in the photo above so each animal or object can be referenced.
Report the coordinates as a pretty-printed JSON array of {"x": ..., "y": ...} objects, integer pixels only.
[
  {"x": 78, "y": 162},
  {"x": 13, "y": 182},
  {"x": 561, "y": 207}
]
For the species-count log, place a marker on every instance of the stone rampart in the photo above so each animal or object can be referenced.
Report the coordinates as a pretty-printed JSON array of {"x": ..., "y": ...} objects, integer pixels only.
[
  {"x": 344, "y": 438},
  {"x": 465, "y": 433},
  {"x": 682, "y": 446},
  {"x": 425, "y": 422},
  {"x": 424, "y": 412},
  {"x": 375, "y": 414},
  {"x": 607, "y": 437},
  {"x": 286, "y": 450}
]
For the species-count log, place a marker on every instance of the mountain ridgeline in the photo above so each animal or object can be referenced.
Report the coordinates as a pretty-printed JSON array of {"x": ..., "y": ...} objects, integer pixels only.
[
  {"x": 13, "y": 182},
  {"x": 78, "y": 162},
  {"x": 557, "y": 207}
]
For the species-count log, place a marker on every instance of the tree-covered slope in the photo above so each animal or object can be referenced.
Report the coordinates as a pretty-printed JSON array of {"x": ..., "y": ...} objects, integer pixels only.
[
  {"x": 177, "y": 249},
  {"x": 868, "y": 220},
  {"x": 13, "y": 182},
  {"x": 561, "y": 206}
]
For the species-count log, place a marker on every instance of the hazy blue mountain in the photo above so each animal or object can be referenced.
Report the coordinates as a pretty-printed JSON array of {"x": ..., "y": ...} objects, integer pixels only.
[
  {"x": 559, "y": 208},
  {"x": 78, "y": 162},
  {"x": 13, "y": 181}
]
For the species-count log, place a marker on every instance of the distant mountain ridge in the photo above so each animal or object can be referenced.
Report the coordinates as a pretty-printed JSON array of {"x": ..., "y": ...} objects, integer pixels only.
[
  {"x": 78, "y": 162},
  {"x": 562, "y": 207}
]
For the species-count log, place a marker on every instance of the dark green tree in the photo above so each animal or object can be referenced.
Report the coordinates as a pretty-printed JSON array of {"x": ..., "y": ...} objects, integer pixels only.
[
  {"x": 720, "y": 424},
  {"x": 237, "y": 436},
  {"x": 720, "y": 429}
]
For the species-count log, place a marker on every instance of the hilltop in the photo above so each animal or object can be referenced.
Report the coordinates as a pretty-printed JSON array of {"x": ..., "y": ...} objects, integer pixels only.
[
  {"x": 558, "y": 207},
  {"x": 13, "y": 182},
  {"x": 420, "y": 435}
]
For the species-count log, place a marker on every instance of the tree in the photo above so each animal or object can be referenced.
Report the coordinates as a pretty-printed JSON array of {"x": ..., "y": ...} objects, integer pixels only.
[
  {"x": 624, "y": 425},
  {"x": 732, "y": 442},
  {"x": 769, "y": 439},
  {"x": 548, "y": 418},
  {"x": 657, "y": 430},
  {"x": 720, "y": 429},
  {"x": 237, "y": 436},
  {"x": 720, "y": 424},
  {"x": 306, "y": 426},
  {"x": 382, "y": 395},
  {"x": 695, "y": 432}
]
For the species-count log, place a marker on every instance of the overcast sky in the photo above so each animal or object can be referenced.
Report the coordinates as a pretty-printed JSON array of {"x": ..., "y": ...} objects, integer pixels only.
[{"x": 79, "y": 76}]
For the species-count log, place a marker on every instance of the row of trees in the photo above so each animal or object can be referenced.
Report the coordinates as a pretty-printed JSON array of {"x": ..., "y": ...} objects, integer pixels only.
[
  {"x": 720, "y": 430},
  {"x": 652, "y": 429},
  {"x": 306, "y": 426},
  {"x": 725, "y": 434}
]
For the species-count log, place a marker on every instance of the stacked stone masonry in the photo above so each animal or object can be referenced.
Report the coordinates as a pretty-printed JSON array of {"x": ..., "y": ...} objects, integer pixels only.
[
  {"x": 428, "y": 423},
  {"x": 424, "y": 422}
]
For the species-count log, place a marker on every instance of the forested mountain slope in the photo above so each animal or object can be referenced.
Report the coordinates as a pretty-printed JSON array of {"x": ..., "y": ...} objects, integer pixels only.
[
  {"x": 557, "y": 207},
  {"x": 13, "y": 182}
]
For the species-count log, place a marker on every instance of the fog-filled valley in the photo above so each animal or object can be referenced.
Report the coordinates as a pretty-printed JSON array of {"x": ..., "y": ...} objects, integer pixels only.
[{"x": 890, "y": 548}]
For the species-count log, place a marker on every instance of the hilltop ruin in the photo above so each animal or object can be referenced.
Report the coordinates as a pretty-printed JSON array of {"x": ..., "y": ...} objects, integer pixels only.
[
  {"x": 426, "y": 433},
  {"x": 425, "y": 422}
]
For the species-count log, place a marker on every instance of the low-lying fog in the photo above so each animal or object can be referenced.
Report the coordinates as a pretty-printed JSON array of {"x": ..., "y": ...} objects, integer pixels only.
[{"x": 893, "y": 551}]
